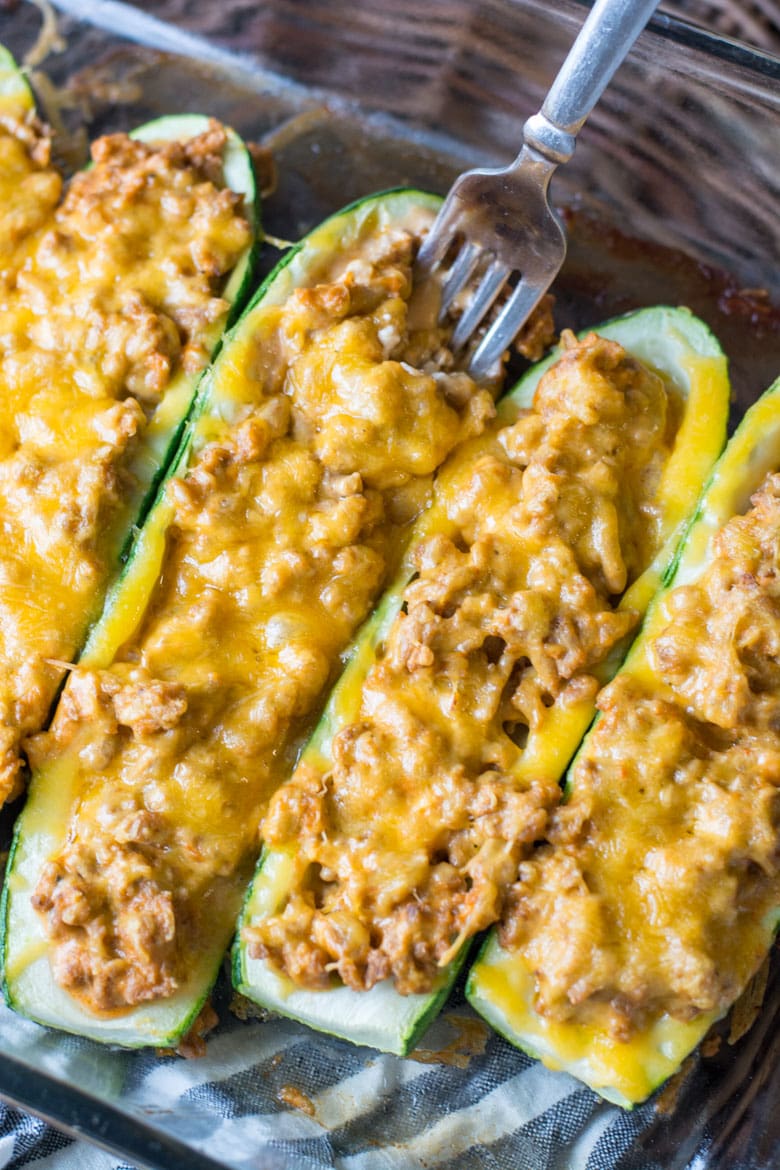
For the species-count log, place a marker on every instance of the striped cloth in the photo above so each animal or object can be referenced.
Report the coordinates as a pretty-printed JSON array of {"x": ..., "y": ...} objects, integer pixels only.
[{"x": 353, "y": 1109}]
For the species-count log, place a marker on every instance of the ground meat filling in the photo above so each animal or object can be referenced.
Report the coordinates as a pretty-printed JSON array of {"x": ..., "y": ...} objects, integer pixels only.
[
  {"x": 405, "y": 847},
  {"x": 338, "y": 406},
  {"x": 667, "y": 854},
  {"x": 136, "y": 204},
  {"x": 105, "y": 296}
]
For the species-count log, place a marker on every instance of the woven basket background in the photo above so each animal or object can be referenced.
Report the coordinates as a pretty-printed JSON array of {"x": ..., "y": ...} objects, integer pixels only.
[{"x": 757, "y": 23}]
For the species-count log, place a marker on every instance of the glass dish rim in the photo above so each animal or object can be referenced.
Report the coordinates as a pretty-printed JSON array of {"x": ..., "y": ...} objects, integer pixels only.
[
  {"x": 149, "y": 29},
  {"x": 724, "y": 48}
]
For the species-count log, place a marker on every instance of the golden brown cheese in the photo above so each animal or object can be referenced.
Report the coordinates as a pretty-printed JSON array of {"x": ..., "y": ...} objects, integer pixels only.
[
  {"x": 664, "y": 862},
  {"x": 284, "y": 529},
  {"x": 405, "y": 844},
  {"x": 104, "y": 297}
]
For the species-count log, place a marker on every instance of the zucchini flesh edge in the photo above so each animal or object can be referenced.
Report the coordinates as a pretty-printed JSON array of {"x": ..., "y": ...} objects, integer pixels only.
[
  {"x": 500, "y": 985},
  {"x": 16, "y": 98},
  {"x": 679, "y": 347},
  {"x": 28, "y": 982}
]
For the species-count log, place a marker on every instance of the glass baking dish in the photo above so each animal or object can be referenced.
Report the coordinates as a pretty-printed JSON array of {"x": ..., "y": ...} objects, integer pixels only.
[{"x": 672, "y": 196}]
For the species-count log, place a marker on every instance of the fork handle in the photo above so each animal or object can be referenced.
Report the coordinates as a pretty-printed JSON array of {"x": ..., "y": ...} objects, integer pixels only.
[{"x": 603, "y": 42}]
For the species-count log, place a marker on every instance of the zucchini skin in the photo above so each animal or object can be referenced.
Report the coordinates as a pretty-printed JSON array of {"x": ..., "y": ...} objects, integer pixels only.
[
  {"x": 670, "y": 340},
  {"x": 166, "y": 425},
  {"x": 500, "y": 986},
  {"x": 16, "y": 97},
  {"x": 28, "y": 983},
  {"x": 238, "y": 173}
]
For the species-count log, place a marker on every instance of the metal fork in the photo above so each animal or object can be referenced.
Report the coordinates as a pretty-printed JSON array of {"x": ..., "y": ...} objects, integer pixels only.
[{"x": 501, "y": 221}]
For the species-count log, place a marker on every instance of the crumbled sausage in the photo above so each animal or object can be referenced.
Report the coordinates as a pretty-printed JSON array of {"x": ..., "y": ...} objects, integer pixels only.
[
  {"x": 148, "y": 706},
  {"x": 107, "y": 294}
]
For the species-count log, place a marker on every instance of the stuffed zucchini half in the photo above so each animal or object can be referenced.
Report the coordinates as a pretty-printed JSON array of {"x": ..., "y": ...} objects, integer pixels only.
[
  {"x": 235, "y": 279},
  {"x": 657, "y": 898},
  {"x": 439, "y": 755},
  {"x": 117, "y": 291},
  {"x": 309, "y": 452}
]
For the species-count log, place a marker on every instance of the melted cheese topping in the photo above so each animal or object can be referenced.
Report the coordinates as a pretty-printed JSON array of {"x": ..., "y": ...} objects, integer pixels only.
[
  {"x": 656, "y": 900},
  {"x": 502, "y": 987},
  {"x": 109, "y": 298},
  {"x": 329, "y": 413},
  {"x": 408, "y": 831}
]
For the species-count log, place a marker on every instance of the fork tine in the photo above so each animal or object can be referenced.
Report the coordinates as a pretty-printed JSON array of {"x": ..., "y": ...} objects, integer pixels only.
[
  {"x": 505, "y": 328},
  {"x": 460, "y": 273},
  {"x": 489, "y": 287},
  {"x": 445, "y": 229}
]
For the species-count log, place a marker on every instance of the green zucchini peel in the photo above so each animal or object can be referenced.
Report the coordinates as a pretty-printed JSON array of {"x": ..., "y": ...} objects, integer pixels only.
[{"x": 161, "y": 441}]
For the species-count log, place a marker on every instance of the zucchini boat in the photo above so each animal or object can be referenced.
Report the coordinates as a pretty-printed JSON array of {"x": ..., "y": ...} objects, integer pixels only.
[
  {"x": 670, "y": 900},
  {"x": 403, "y": 829},
  {"x": 309, "y": 451},
  {"x": 117, "y": 293}
]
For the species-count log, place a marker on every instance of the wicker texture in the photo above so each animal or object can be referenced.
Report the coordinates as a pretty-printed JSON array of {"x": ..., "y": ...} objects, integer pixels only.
[{"x": 756, "y": 22}]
